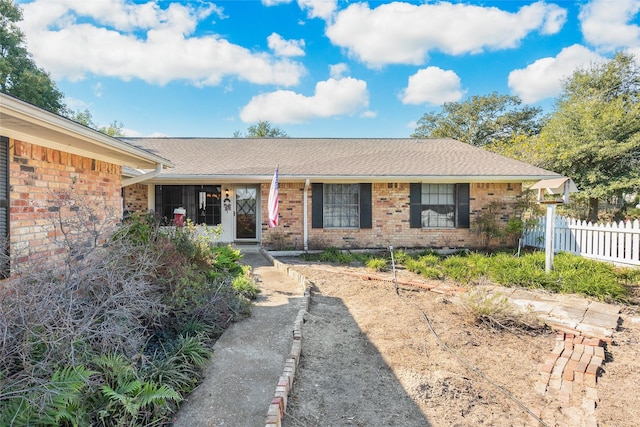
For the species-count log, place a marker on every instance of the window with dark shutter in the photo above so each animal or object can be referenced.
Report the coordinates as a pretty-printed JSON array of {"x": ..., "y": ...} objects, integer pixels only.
[
  {"x": 341, "y": 205},
  {"x": 439, "y": 205}
]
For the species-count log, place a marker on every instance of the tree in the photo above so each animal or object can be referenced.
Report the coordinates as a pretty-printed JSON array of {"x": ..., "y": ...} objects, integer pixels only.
[
  {"x": 263, "y": 129},
  {"x": 19, "y": 75},
  {"x": 483, "y": 121},
  {"x": 84, "y": 117},
  {"x": 594, "y": 135}
]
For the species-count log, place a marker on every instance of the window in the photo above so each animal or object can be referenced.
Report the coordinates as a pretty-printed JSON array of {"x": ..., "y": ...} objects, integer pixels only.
[
  {"x": 208, "y": 199},
  {"x": 341, "y": 206},
  {"x": 439, "y": 205},
  {"x": 202, "y": 202}
]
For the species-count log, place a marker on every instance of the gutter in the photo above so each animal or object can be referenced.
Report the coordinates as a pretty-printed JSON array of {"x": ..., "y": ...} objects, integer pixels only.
[{"x": 144, "y": 177}]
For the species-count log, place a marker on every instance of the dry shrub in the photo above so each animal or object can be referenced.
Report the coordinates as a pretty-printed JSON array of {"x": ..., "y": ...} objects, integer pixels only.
[{"x": 493, "y": 309}]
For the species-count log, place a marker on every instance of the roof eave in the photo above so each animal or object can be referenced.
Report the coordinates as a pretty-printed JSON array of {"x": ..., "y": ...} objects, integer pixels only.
[
  {"x": 198, "y": 179},
  {"x": 26, "y": 122}
]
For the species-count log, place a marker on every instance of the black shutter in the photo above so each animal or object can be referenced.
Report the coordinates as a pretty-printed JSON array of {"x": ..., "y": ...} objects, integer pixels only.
[
  {"x": 463, "y": 196},
  {"x": 158, "y": 201},
  {"x": 415, "y": 205},
  {"x": 317, "y": 197},
  {"x": 4, "y": 205},
  {"x": 365, "y": 205}
]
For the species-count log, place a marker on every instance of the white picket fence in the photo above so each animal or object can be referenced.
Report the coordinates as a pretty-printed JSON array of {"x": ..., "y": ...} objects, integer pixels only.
[{"x": 613, "y": 242}]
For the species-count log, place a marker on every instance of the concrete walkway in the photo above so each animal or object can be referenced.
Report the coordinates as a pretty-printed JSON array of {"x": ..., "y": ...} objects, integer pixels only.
[{"x": 248, "y": 360}]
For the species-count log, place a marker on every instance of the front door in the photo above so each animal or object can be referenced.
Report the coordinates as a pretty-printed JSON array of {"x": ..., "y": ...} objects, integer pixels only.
[{"x": 246, "y": 212}]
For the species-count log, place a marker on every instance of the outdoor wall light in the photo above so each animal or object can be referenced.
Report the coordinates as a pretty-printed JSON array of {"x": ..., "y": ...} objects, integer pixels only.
[{"x": 226, "y": 193}]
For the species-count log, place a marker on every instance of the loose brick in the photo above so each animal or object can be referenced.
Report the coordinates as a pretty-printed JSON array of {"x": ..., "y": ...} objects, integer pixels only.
[
  {"x": 578, "y": 340},
  {"x": 594, "y": 342},
  {"x": 547, "y": 367},
  {"x": 599, "y": 351},
  {"x": 558, "y": 349},
  {"x": 274, "y": 414},
  {"x": 567, "y": 375}
]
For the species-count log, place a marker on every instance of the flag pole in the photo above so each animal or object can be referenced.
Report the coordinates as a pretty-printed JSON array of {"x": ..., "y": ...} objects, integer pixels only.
[{"x": 272, "y": 203}]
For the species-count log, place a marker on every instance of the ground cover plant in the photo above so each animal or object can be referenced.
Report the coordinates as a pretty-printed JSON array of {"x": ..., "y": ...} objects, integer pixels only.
[
  {"x": 119, "y": 334},
  {"x": 571, "y": 273}
]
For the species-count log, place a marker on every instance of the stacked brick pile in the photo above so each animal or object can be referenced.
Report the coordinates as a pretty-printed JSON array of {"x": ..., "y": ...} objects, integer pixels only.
[{"x": 571, "y": 371}]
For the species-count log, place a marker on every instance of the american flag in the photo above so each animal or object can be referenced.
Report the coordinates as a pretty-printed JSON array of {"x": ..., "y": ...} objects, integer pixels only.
[{"x": 273, "y": 201}]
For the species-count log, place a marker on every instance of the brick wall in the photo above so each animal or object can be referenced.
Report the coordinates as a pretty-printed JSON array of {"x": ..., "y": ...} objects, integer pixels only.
[
  {"x": 136, "y": 198},
  {"x": 44, "y": 183},
  {"x": 390, "y": 219}
]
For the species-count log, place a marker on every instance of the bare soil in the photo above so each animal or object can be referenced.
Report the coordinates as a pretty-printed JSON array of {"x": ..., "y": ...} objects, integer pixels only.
[{"x": 371, "y": 357}]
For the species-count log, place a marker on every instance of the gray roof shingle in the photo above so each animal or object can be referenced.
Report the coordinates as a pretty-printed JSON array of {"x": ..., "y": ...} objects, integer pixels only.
[{"x": 335, "y": 158}]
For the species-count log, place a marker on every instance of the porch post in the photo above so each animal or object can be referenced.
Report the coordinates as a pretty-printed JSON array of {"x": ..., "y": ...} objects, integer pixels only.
[{"x": 305, "y": 214}]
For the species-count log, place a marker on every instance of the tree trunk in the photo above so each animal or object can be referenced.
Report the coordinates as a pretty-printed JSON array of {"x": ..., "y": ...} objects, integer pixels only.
[{"x": 592, "y": 214}]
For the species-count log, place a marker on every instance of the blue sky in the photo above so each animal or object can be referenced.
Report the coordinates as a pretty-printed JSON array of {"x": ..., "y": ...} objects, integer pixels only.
[{"x": 314, "y": 68}]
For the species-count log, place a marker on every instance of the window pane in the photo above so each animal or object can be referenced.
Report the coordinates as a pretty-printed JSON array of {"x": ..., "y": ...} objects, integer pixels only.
[
  {"x": 341, "y": 205},
  {"x": 438, "y": 205}
]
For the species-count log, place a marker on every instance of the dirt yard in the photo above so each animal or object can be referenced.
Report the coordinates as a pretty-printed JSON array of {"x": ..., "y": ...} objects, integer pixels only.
[{"x": 371, "y": 358}]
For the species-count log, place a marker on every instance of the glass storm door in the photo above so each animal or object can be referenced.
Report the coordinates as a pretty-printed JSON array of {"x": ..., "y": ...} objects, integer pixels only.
[{"x": 246, "y": 212}]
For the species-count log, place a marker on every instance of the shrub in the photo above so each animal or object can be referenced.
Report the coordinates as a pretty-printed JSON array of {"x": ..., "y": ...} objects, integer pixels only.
[
  {"x": 378, "y": 264},
  {"x": 400, "y": 256},
  {"x": 495, "y": 311},
  {"x": 426, "y": 265},
  {"x": 463, "y": 268},
  {"x": 588, "y": 277},
  {"x": 70, "y": 336},
  {"x": 245, "y": 287}
]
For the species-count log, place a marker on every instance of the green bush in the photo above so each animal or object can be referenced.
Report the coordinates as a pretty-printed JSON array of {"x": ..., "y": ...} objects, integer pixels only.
[
  {"x": 426, "y": 266},
  {"x": 462, "y": 268},
  {"x": 245, "y": 286},
  {"x": 378, "y": 264}
]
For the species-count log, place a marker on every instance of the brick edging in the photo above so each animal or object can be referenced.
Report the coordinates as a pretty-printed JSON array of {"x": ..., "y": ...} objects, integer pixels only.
[{"x": 278, "y": 406}]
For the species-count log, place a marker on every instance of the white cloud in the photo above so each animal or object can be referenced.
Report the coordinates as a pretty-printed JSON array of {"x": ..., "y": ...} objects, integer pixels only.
[
  {"x": 319, "y": 8},
  {"x": 403, "y": 33},
  {"x": 336, "y": 71},
  {"x": 332, "y": 98},
  {"x": 282, "y": 47},
  {"x": 97, "y": 89},
  {"x": 118, "y": 38},
  {"x": 315, "y": 8},
  {"x": 605, "y": 24},
  {"x": 543, "y": 78},
  {"x": 433, "y": 86}
]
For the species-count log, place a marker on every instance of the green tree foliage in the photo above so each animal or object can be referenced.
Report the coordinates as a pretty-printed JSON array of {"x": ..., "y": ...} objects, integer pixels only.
[
  {"x": 483, "y": 121},
  {"x": 263, "y": 129},
  {"x": 594, "y": 134},
  {"x": 84, "y": 117},
  {"x": 19, "y": 75}
]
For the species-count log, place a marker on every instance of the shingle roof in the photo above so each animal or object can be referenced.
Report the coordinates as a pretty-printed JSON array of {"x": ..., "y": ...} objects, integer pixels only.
[{"x": 382, "y": 158}]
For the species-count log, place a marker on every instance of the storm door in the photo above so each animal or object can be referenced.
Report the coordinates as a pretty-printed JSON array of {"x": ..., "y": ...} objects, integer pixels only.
[{"x": 246, "y": 212}]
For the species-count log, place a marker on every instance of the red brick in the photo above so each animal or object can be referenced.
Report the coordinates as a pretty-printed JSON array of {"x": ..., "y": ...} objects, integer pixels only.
[
  {"x": 567, "y": 375},
  {"x": 599, "y": 351}
]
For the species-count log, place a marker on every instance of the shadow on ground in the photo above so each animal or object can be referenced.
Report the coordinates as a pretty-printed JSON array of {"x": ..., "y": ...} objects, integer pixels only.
[{"x": 333, "y": 386}]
